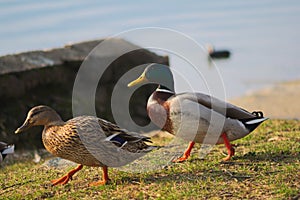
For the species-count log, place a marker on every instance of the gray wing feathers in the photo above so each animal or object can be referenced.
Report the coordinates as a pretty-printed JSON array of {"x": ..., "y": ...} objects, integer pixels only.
[{"x": 217, "y": 105}]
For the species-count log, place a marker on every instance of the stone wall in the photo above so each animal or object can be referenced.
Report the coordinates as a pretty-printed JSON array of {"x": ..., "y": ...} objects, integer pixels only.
[{"x": 47, "y": 77}]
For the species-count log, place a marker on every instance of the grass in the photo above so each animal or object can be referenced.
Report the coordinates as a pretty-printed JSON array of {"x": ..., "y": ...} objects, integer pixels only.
[{"x": 266, "y": 166}]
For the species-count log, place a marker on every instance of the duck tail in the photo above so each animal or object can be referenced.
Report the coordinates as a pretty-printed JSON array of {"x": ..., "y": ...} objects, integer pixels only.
[
  {"x": 131, "y": 142},
  {"x": 9, "y": 149},
  {"x": 253, "y": 123}
]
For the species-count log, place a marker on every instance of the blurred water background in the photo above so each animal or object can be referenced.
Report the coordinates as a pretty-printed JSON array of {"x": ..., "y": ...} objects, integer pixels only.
[{"x": 263, "y": 36}]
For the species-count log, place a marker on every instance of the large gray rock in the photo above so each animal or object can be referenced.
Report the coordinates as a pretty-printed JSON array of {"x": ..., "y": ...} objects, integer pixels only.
[{"x": 47, "y": 77}]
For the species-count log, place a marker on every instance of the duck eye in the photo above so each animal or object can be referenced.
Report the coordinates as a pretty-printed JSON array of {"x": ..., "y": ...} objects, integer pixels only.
[{"x": 31, "y": 121}]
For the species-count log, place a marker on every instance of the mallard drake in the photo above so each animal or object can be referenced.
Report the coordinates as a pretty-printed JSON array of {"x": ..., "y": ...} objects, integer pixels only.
[
  {"x": 195, "y": 116},
  {"x": 86, "y": 140},
  {"x": 5, "y": 149}
]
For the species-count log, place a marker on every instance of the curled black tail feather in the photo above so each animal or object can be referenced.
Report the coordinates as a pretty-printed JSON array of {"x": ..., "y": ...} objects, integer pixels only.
[
  {"x": 255, "y": 121},
  {"x": 259, "y": 114}
]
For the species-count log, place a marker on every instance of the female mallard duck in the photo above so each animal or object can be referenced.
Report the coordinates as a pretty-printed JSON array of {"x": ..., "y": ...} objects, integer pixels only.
[
  {"x": 181, "y": 114},
  {"x": 5, "y": 149},
  {"x": 86, "y": 140}
]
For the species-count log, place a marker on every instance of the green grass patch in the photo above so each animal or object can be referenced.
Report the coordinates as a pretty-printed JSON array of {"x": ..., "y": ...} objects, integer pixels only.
[{"x": 266, "y": 166}]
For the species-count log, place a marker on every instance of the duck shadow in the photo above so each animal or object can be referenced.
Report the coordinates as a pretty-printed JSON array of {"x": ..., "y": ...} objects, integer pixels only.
[
  {"x": 135, "y": 179},
  {"x": 279, "y": 157},
  {"x": 225, "y": 173},
  {"x": 192, "y": 177}
]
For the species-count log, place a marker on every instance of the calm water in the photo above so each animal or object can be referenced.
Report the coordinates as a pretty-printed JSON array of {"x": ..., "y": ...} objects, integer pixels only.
[{"x": 263, "y": 36}]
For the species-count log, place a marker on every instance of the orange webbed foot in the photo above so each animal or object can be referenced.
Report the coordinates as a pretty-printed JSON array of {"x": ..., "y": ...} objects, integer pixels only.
[
  {"x": 231, "y": 152},
  {"x": 97, "y": 183},
  {"x": 181, "y": 159},
  {"x": 229, "y": 147},
  {"x": 186, "y": 154},
  {"x": 104, "y": 180},
  {"x": 65, "y": 179}
]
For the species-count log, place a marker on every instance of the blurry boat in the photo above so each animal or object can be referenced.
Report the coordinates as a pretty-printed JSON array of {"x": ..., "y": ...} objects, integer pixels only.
[{"x": 217, "y": 54}]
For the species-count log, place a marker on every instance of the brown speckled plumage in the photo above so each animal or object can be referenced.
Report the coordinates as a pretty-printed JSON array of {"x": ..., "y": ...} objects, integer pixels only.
[{"x": 63, "y": 141}]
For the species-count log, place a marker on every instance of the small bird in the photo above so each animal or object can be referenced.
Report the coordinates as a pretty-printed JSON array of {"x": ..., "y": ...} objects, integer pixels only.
[
  {"x": 86, "y": 140},
  {"x": 195, "y": 117},
  {"x": 5, "y": 149},
  {"x": 217, "y": 54}
]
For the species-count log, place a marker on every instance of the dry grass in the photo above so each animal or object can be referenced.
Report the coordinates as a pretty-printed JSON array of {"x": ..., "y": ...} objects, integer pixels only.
[{"x": 266, "y": 166}]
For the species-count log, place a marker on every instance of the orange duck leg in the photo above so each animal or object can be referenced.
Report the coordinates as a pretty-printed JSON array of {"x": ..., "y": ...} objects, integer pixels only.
[
  {"x": 229, "y": 147},
  {"x": 104, "y": 180},
  {"x": 186, "y": 153},
  {"x": 65, "y": 179}
]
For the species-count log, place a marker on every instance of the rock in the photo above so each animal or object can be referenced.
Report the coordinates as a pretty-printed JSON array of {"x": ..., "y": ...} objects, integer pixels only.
[
  {"x": 47, "y": 77},
  {"x": 58, "y": 163}
]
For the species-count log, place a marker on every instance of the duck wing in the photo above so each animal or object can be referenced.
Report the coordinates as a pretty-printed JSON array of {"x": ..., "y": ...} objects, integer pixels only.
[
  {"x": 113, "y": 129},
  {"x": 125, "y": 140},
  {"x": 108, "y": 143},
  {"x": 211, "y": 108},
  {"x": 224, "y": 108}
]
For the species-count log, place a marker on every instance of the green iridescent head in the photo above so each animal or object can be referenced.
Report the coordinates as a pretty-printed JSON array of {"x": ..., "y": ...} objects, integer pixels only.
[{"x": 156, "y": 73}]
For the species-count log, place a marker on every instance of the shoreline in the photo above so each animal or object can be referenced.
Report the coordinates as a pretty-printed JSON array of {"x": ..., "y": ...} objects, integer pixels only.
[{"x": 280, "y": 101}]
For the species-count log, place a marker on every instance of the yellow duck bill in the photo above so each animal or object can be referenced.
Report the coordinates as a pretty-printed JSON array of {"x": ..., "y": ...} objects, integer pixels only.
[{"x": 140, "y": 80}]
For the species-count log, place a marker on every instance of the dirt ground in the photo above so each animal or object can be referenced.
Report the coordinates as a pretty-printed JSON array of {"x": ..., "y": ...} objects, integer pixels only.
[{"x": 281, "y": 101}]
